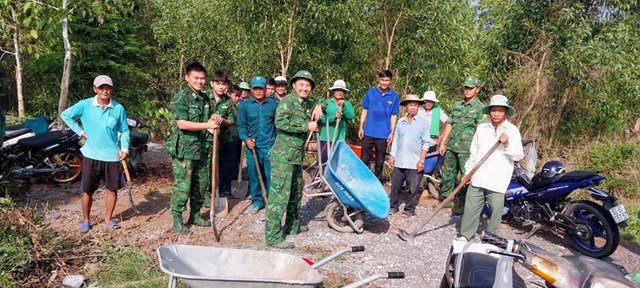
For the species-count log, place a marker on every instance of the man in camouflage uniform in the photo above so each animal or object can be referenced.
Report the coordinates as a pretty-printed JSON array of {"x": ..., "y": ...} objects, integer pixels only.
[
  {"x": 191, "y": 109},
  {"x": 293, "y": 125},
  {"x": 456, "y": 139},
  {"x": 224, "y": 115}
]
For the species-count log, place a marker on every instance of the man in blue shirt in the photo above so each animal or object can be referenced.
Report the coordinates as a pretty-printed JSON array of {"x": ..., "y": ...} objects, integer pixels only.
[
  {"x": 380, "y": 108},
  {"x": 408, "y": 152},
  {"x": 102, "y": 118},
  {"x": 256, "y": 127}
]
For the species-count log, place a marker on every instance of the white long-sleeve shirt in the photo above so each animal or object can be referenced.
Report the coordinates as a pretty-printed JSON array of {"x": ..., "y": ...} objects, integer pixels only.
[{"x": 496, "y": 171}]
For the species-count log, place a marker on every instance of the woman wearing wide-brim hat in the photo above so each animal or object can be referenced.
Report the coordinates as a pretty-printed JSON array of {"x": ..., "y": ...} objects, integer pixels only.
[{"x": 338, "y": 110}]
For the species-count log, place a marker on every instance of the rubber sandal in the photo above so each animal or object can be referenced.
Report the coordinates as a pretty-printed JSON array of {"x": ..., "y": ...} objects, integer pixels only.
[
  {"x": 84, "y": 227},
  {"x": 113, "y": 225}
]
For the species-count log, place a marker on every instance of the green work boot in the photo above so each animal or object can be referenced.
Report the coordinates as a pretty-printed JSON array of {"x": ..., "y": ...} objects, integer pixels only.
[
  {"x": 178, "y": 227},
  {"x": 207, "y": 202},
  {"x": 303, "y": 228},
  {"x": 197, "y": 220}
]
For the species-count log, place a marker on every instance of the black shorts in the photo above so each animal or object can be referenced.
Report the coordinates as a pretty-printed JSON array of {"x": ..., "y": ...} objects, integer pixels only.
[{"x": 95, "y": 170}]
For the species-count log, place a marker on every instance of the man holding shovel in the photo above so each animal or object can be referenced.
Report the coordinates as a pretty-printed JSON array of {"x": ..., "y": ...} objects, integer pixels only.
[
  {"x": 491, "y": 179},
  {"x": 293, "y": 123},
  {"x": 256, "y": 127},
  {"x": 189, "y": 149}
]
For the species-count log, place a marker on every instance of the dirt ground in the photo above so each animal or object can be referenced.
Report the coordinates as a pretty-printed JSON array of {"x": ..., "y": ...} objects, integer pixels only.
[{"x": 151, "y": 228}]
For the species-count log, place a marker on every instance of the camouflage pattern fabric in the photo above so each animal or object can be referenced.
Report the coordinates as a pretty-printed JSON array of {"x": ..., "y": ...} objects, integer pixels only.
[
  {"x": 191, "y": 181},
  {"x": 285, "y": 196},
  {"x": 189, "y": 106},
  {"x": 225, "y": 109},
  {"x": 292, "y": 118},
  {"x": 464, "y": 120}
]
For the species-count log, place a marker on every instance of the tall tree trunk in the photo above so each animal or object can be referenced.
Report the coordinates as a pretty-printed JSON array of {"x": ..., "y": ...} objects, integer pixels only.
[
  {"x": 388, "y": 35},
  {"x": 66, "y": 70},
  {"x": 16, "y": 54},
  {"x": 286, "y": 52}
]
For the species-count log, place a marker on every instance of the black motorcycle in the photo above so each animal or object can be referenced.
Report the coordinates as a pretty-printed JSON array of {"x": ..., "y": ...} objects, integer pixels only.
[
  {"x": 490, "y": 264},
  {"x": 137, "y": 146},
  {"x": 52, "y": 156}
]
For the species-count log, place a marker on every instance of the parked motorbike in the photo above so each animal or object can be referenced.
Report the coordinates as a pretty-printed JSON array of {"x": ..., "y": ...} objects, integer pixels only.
[
  {"x": 21, "y": 131},
  {"x": 137, "y": 146},
  {"x": 483, "y": 264},
  {"x": 53, "y": 155},
  {"x": 544, "y": 202}
]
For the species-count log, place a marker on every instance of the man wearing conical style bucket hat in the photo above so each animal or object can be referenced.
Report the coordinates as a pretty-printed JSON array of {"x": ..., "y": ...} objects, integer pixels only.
[
  {"x": 491, "y": 179},
  {"x": 295, "y": 118},
  {"x": 408, "y": 151},
  {"x": 340, "y": 111}
]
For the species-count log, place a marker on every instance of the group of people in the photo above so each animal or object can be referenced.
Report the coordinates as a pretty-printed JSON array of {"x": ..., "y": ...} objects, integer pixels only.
[{"x": 265, "y": 119}]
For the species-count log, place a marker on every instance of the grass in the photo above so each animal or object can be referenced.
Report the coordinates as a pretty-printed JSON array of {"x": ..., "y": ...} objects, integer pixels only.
[
  {"x": 128, "y": 266},
  {"x": 631, "y": 234}
]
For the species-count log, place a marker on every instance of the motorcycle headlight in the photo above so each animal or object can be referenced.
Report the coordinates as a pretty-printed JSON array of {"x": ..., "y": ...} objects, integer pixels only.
[{"x": 132, "y": 122}]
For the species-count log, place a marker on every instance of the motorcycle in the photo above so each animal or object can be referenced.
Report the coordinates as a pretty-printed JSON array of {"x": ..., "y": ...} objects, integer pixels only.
[
  {"x": 21, "y": 131},
  {"x": 137, "y": 146},
  {"x": 53, "y": 156},
  {"x": 543, "y": 202},
  {"x": 490, "y": 264}
]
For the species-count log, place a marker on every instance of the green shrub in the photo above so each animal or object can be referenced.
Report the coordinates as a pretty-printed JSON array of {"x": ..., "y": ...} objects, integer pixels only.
[
  {"x": 632, "y": 232},
  {"x": 619, "y": 162},
  {"x": 128, "y": 266}
]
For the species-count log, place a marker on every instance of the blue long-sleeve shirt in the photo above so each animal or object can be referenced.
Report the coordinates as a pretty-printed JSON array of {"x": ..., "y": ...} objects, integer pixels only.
[
  {"x": 257, "y": 120},
  {"x": 101, "y": 127},
  {"x": 408, "y": 142}
]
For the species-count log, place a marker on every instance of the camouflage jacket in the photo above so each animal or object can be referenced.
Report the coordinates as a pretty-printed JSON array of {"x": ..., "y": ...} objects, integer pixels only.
[
  {"x": 292, "y": 118},
  {"x": 225, "y": 109},
  {"x": 464, "y": 120},
  {"x": 189, "y": 106}
]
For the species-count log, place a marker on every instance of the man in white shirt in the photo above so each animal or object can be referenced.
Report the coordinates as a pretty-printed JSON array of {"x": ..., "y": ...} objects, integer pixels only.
[{"x": 491, "y": 180}]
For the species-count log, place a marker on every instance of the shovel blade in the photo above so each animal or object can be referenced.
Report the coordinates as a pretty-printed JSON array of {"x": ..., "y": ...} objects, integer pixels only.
[
  {"x": 221, "y": 206},
  {"x": 239, "y": 189},
  {"x": 404, "y": 235}
]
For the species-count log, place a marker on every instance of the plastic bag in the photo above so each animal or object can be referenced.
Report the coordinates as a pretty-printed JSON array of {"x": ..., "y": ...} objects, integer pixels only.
[{"x": 532, "y": 160}]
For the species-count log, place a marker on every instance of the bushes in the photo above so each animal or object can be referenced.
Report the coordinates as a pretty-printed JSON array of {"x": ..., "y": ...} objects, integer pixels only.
[{"x": 619, "y": 162}]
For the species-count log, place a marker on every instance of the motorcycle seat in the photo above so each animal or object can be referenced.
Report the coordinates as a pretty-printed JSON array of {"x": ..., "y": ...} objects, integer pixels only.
[
  {"x": 573, "y": 176},
  {"x": 139, "y": 139},
  {"x": 15, "y": 131},
  {"x": 44, "y": 140}
]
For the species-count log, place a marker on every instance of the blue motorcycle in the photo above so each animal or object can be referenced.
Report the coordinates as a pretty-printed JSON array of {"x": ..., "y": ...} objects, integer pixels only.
[{"x": 543, "y": 201}]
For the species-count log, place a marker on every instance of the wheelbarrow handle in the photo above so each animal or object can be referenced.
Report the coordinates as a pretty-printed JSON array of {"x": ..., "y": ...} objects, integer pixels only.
[
  {"x": 388, "y": 275},
  {"x": 336, "y": 255}
]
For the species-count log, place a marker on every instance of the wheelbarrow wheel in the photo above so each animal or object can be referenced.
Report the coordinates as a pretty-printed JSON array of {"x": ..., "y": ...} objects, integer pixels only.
[{"x": 338, "y": 221}]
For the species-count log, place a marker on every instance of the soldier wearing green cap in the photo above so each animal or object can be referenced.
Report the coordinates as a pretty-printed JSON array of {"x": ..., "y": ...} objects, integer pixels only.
[
  {"x": 293, "y": 123},
  {"x": 456, "y": 138},
  {"x": 244, "y": 92}
]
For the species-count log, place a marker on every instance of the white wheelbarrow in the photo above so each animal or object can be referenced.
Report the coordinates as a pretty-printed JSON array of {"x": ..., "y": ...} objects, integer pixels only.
[{"x": 202, "y": 266}]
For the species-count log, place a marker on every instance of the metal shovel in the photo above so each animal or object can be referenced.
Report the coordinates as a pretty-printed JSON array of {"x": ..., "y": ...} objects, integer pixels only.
[
  {"x": 240, "y": 188},
  {"x": 406, "y": 236}
]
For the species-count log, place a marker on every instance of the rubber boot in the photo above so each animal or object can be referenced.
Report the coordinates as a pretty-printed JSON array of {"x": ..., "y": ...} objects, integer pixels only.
[
  {"x": 178, "y": 227},
  {"x": 196, "y": 219}
]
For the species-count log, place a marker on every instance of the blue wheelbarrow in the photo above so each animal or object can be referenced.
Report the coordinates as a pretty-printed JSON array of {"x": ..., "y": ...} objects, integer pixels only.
[{"x": 355, "y": 188}]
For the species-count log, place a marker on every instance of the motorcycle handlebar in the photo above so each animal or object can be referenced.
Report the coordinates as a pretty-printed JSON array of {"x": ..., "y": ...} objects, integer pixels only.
[{"x": 493, "y": 239}]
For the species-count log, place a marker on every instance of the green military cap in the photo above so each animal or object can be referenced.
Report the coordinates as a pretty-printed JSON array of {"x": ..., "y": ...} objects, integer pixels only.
[
  {"x": 244, "y": 85},
  {"x": 303, "y": 74},
  {"x": 471, "y": 81}
]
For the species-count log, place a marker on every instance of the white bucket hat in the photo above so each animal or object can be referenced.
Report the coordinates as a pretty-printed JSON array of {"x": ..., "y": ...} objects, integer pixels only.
[
  {"x": 339, "y": 84},
  {"x": 499, "y": 100},
  {"x": 430, "y": 96}
]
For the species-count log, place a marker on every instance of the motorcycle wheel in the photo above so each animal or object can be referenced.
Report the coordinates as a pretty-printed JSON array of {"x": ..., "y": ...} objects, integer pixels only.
[
  {"x": 602, "y": 237},
  {"x": 73, "y": 161},
  {"x": 338, "y": 221}
]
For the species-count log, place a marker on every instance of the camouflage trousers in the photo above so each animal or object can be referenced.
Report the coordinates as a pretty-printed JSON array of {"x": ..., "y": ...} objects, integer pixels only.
[
  {"x": 285, "y": 195},
  {"x": 191, "y": 180},
  {"x": 453, "y": 164}
]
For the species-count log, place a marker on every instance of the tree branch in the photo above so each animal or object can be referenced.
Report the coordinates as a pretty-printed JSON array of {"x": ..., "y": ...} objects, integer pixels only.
[{"x": 45, "y": 4}]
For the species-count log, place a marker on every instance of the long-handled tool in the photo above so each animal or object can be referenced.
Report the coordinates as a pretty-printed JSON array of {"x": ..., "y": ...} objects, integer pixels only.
[
  {"x": 129, "y": 183},
  {"x": 239, "y": 188},
  {"x": 264, "y": 190},
  {"x": 214, "y": 184},
  {"x": 406, "y": 236}
]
